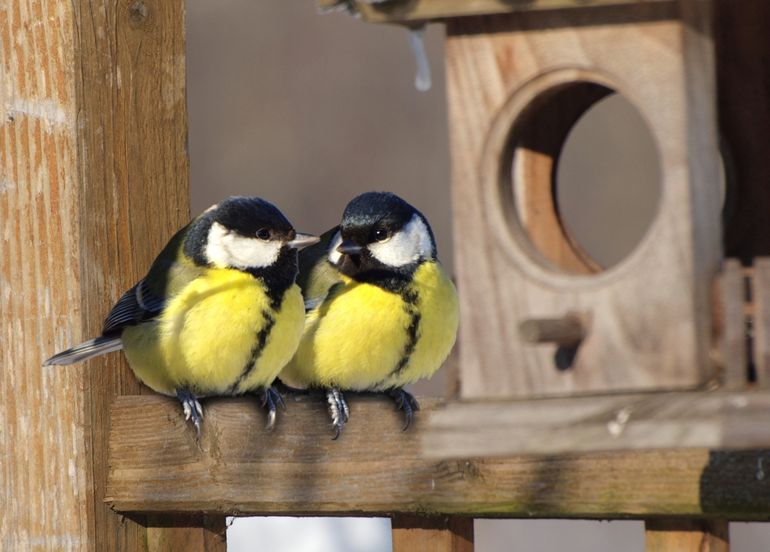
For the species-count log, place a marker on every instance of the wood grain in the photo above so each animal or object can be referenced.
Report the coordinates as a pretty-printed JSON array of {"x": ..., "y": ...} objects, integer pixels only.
[
  {"x": 651, "y": 313},
  {"x": 686, "y": 536},
  {"x": 709, "y": 419},
  {"x": 376, "y": 469},
  {"x": 93, "y": 181}
]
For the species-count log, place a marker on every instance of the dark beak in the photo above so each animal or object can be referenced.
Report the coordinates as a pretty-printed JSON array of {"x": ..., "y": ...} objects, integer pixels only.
[
  {"x": 349, "y": 248},
  {"x": 303, "y": 240}
]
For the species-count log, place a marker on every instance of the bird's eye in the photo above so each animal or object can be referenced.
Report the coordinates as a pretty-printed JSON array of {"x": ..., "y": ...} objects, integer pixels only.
[
  {"x": 263, "y": 234},
  {"x": 381, "y": 235}
]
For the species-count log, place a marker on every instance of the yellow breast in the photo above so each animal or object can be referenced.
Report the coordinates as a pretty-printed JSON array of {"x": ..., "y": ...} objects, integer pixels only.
[
  {"x": 219, "y": 335},
  {"x": 366, "y": 338}
]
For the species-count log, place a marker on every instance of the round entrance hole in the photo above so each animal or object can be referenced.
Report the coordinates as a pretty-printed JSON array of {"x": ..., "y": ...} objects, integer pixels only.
[{"x": 585, "y": 176}]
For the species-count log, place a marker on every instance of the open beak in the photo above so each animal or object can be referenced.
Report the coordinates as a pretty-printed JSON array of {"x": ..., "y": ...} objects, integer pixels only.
[
  {"x": 349, "y": 248},
  {"x": 303, "y": 240}
]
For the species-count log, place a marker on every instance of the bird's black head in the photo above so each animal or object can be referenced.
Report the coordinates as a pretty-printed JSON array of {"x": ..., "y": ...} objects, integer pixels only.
[
  {"x": 382, "y": 240},
  {"x": 247, "y": 234}
]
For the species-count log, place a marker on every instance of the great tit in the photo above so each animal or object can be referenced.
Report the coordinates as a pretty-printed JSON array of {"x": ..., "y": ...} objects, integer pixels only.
[
  {"x": 381, "y": 311},
  {"x": 218, "y": 313}
]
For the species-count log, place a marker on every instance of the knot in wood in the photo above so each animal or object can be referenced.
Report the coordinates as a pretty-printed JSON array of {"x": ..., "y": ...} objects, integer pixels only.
[{"x": 138, "y": 13}]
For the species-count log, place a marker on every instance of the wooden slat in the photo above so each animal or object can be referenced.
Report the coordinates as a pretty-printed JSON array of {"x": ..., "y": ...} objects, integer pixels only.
[
  {"x": 93, "y": 181},
  {"x": 421, "y": 10},
  {"x": 610, "y": 422},
  {"x": 760, "y": 289},
  {"x": 436, "y": 534},
  {"x": 376, "y": 469},
  {"x": 686, "y": 536},
  {"x": 733, "y": 323}
]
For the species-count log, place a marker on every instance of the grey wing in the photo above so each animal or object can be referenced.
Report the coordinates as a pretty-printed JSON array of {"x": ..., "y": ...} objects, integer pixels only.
[{"x": 137, "y": 305}]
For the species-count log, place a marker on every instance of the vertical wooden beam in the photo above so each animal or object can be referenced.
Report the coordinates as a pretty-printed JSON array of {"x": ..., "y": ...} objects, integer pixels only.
[
  {"x": 177, "y": 534},
  {"x": 686, "y": 536},
  {"x": 445, "y": 534},
  {"x": 93, "y": 181},
  {"x": 761, "y": 342},
  {"x": 733, "y": 339}
]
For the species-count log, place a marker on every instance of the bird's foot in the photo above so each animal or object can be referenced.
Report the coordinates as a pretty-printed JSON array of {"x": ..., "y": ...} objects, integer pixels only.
[
  {"x": 338, "y": 410},
  {"x": 192, "y": 408},
  {"x": 404, "y": 401},
  {"x": 270, "y": 399}
]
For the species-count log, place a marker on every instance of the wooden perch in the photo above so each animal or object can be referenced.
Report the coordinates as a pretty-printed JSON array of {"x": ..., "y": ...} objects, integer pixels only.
[{"x": 157, "y": 465}]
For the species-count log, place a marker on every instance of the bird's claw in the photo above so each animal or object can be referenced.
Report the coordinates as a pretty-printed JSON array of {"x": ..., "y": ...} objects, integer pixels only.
[
  {"x": 405, "y": 401},
  {"x": 338, "y": 410},
  {"x": 193, "y": 411},
  {"x": 270, "y": 399}
]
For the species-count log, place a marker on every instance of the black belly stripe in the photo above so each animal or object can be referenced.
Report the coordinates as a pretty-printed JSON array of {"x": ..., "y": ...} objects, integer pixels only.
[
  {"x": 259, "y": 346},
  {"x": 412, "y": 332}
]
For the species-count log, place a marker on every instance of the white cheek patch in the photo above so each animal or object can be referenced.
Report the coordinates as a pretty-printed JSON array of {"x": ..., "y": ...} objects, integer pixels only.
[
  {"x": 334, "y": 255},
  {"x": 408, "y": 245},
  {"x": 228, "y": 249}
]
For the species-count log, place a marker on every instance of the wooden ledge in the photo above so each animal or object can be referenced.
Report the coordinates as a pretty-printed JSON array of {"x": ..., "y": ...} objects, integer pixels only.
[
  {"x": 404, "y": 11},
  {"x": 689, "y": 419},
  {"x": 156, "y": 465}
]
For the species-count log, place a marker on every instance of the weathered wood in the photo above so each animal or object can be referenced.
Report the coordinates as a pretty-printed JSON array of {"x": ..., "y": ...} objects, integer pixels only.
[
  {"x": 651, "y": 313},
  {"x": 686, "y": 536},
  {"x": 760, "y": 292},
  {"x": 376, "y": 469},
  {"x": 733, "y": 325},
  {"x": 431, "y": 534},
  {"x": 709, "y": 419},
  {"x": 93, "y": 181},
  {"x": 396, "y": 11}
]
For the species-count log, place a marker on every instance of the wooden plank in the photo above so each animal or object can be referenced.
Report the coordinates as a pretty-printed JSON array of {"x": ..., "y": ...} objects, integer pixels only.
[
  {"x": 423, "y": 10},
  {"x": 760, "y": 291},
  {"x": 686, "y": 536},
  {"x": 611, "y": 422},
  {"x": 500, "y": 71},
  {"x": 426, "y": 534},
  {"x": 93, "y": 181},
  {"x": 376, "y": 469},
  {"x": 733, "y": 325}
]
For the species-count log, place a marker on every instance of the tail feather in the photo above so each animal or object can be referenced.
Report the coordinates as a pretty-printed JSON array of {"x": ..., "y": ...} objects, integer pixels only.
[{"x": 86, "y": 350}]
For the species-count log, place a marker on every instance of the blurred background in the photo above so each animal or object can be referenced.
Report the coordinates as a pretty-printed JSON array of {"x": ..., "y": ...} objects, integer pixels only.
[{"x": 308, "y": 111}]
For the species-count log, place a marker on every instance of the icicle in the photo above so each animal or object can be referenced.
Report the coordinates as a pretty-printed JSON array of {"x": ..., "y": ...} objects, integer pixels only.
[{"x": 416, "y": 41}]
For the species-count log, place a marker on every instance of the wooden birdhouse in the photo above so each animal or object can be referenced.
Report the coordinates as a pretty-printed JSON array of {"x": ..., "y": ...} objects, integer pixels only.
[{"x": 532, "y": 300}]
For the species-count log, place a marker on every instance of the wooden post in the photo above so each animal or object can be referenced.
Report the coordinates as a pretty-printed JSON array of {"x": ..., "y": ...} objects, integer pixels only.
[
  {"x": 686, "y": 536},
  {"x": 93, "y": 182},
  {"x": 445, "y": 534}
]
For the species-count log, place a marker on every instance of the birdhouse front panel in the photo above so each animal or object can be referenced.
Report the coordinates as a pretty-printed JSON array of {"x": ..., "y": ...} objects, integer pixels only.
[{"x": 539, "y": 316}]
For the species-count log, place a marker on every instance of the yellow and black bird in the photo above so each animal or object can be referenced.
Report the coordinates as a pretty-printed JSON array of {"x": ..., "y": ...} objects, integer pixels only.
[
  {"x": 218, "y": 313},
  {"x": 381, "y": 311}
]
